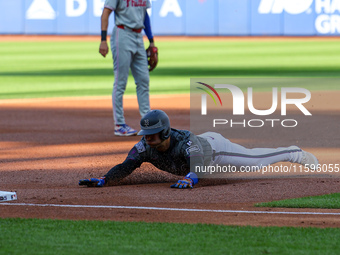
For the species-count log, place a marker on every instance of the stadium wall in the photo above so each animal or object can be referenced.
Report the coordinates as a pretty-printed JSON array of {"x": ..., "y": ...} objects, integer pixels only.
[{"x": 179, "y": 17}]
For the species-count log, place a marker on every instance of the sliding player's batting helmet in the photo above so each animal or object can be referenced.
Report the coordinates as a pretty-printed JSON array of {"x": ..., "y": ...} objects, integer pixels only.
[{"x": 155, "y": 121}]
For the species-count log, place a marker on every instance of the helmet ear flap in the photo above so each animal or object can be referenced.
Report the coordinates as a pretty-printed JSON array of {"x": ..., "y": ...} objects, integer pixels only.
[{"x": 165, "y": 134}]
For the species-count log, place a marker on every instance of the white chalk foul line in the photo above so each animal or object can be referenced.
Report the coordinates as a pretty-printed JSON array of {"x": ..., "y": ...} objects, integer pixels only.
[{"x": 169, "y": 209}]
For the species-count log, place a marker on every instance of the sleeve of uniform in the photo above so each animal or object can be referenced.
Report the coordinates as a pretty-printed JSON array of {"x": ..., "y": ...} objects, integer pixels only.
[
  {"x": 120, "y": 171},
  {"x": 111, "y": 4},
  {"x": 147, "y": 27}
]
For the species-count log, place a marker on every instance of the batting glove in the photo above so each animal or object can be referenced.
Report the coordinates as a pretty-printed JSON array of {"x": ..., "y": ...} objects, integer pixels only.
[
  {"x": 93, "y": 182},
  {"x": 187, "y": 182}
]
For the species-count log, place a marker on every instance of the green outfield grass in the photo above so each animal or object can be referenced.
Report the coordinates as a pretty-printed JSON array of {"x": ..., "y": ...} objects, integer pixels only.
[
  {"x": 329, "y": 201},
  {"x": 53, "y": 69},
  {"x": 36, "y": 236}
]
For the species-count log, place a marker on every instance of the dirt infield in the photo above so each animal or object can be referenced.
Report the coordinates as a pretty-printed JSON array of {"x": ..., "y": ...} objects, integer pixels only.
[{"x": 47, "y": 145}]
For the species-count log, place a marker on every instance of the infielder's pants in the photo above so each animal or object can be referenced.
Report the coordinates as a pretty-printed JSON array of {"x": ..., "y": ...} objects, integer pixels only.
[
  {"x": 228, "y": 153},
  {"x": 128, "y": 52}
]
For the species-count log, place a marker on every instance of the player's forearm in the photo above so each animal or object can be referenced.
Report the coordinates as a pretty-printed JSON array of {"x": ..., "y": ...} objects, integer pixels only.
[
  {"x": 105, "y": 19},
  {"x": 119, "y": 172},
  {"x": 103, "y": 48}
]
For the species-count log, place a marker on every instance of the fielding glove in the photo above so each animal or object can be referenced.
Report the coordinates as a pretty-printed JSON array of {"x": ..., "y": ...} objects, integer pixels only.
[
  {"x": 152, "y": 55},
  {"x": 93, "y": 182},
  {"x": 187, "y": 182}
]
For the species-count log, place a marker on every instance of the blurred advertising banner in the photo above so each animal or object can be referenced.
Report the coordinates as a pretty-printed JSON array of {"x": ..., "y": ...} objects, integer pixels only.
[{"x": 179, "y": 17}]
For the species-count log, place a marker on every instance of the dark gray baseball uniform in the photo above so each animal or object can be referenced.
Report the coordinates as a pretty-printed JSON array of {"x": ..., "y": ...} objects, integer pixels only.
[{"x": 187, "y": 151}]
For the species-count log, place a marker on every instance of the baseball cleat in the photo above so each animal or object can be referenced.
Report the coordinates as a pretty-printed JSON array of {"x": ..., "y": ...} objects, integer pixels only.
[
  {"x": 309, "y": 160},
  {"x": 124, "y": 130}
]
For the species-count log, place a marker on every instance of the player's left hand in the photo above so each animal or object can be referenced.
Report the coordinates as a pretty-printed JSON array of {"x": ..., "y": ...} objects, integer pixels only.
[
  {"x": 152, "y": 56},
  {"x": 93, "y": 182},
  {"x": 184, "y": 184}
]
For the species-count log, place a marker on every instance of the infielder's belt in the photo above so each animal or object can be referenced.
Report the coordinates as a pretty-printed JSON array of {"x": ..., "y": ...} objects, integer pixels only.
[{"x": 133, "y": 29}]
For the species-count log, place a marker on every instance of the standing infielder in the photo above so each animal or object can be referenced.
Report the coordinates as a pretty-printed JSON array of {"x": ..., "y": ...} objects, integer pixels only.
[
  {"x": 179, "y": 152},
  {"x": 128, "y": 51}
]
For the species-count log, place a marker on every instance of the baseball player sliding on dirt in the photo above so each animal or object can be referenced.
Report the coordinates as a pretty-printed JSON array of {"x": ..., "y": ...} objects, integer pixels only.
[{"x": 180, "y": 152}]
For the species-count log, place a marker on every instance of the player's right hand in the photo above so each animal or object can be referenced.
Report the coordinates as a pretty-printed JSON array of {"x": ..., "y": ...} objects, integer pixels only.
[
  {"x": 93, "y": 182},
  {"x": 103, "y": 48}
]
